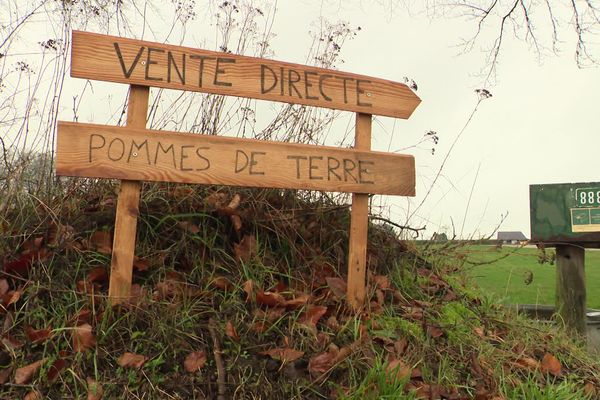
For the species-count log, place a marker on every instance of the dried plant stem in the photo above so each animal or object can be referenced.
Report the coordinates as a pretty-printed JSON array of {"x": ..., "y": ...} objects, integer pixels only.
[{"x": 221, "y": 388}]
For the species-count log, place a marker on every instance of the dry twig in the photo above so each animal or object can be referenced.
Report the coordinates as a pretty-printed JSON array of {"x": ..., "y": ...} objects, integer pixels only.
[{"x": 221, "y": 389}]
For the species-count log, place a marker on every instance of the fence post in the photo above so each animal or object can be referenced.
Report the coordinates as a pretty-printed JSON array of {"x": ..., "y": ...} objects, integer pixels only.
[
  {"x": 128, "y": 203},
  {"x": 359, "y": 223},
  {"x": 570, "y": 287}
]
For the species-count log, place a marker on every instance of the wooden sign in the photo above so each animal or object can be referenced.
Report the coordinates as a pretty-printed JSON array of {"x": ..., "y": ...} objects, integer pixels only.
[
  {"x": 116, "y": 59},
  {"x": 101, "y": 151},
  {"x": 134, "y": 154}
]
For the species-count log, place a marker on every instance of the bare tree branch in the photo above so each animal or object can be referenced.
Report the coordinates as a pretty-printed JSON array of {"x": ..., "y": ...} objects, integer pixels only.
[{"x": 539, "y": 23}]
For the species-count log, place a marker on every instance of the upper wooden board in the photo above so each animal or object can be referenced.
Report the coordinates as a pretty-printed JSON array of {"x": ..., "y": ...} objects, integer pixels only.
[
  {"x": 101, "y": 151},
  {"x": 115, "y": 59}
]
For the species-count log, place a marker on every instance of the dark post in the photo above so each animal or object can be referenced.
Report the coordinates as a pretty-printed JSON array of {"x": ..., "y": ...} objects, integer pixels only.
[{"x": 570, "y": 287}]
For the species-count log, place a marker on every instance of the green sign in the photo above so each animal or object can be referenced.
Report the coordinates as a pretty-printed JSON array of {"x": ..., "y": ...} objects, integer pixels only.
[
  {"x": 595, "y": 216},
  {"x": 580, "y": 217},
  {"x": 565, "y": 213},
  {"x": 588, "y": 197}
]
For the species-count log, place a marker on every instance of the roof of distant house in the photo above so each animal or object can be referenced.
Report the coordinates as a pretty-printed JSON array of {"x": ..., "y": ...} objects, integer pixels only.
[{"x": 511, "y": 235}]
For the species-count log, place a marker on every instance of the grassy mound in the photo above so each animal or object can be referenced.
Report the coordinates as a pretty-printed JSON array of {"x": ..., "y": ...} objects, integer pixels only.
[{"x": 241, "y": 295}]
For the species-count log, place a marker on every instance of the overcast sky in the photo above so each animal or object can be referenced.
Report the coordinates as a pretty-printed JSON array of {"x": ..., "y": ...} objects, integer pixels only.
[{"x": 540, "y": 126}]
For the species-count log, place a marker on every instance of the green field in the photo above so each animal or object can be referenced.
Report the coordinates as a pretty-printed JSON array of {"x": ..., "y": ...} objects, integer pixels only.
[{"x": 506, "y": 278}]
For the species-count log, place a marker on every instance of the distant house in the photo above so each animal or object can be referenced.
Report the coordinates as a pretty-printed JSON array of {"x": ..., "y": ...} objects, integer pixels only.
[
  {"x": 511, "y": 237},
  {"x": 439, "y": 237}
]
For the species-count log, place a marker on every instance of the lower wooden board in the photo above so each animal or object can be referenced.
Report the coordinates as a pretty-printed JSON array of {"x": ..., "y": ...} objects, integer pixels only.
[{"x": 101, "y": 151}]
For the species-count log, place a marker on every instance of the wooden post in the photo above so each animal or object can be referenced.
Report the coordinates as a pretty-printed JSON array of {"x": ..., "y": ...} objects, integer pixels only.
[
  {"x": 127, "y": 209},
  {"x": 359, "y": 223},
  {"x": 570, "y": 287}
]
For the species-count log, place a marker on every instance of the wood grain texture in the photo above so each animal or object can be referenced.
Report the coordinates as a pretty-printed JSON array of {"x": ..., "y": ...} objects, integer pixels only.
[
  {"x": 128, "y": 201},
  {"x": 570, "y": 287},
  {"x": 123, "y": 60},
  {"x": 359, "y": 224},
  {"x": 101, "y": 151}
]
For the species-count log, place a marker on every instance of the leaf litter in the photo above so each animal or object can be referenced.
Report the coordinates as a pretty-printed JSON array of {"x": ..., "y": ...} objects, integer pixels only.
[{"x": 288, "y": 300}]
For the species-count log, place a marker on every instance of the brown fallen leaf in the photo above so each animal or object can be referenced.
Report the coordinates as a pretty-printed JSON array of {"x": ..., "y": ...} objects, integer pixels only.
[
  {"x": 479, "y": 331},
  {"x": 174, "y": 287},
  {"x": 450, "y": 296},
  {"x": 231, "y": 332},
  {"x": 216, "y": 200},
  {"x": 10, "y": 298},
  {"x": 167, "y": 290},
  {"x": 260, "y": 327},
  {"x": 131, "y": 360},
  {"x": 37, "y": 336},
  {"x": 175, "y": 276},
  {"x": 416, "y": 374},
  {"x": 280, "y": 287},
  {"x": 222, "y": 283},
  {"x": 95, "y": 390},
  {"x": 58, "y": 235},
  {"x": 140, "y": 264},
  {"x": 137, "y": 295},
  {"x": 235, "y": 202},
  {"x": 12, "y": 342},
  {"x": 83, "y": 337},
  {"x": 5, "y": 375},
  {"x": 311, "y": 315},
  {"x": 274, "y": 313},
  {"x": 550, "y": 364},
  {"x": 590, "y": 390},
  {"x": 25, "y": 374},
  {"x": 283, "y": 354},
  {"x": 195, "y": 361},
  {"x": 320, "y": 271},
  {"x": 527, "y": 363},
  {"x": 269, "y": 299},
  {"x": 380, "y": 297},
  {"x": 248, "y": 288},
  {"x": 397, "y": 370},
  {"x": 382, "y": 282},
  {"x": 85, "y": 287},
  {"x": 481, "y": 393},
  {"x": 32, "y": 244},
  {"x": 415, "y": 313},
  {"x": 400, "y": 346},
  {"x": 101, "y": 241},
  {"x": 22, "y": 265},
  {"x": 189, "y": 227},
  {"x": 4, "y": 288},
  {"x": 434, "y": 331},
  {"x": 337, "y": 286},
  {"x": 427, "y": 391},
  {"x": 299, "y": 300},
  {"x": 236, "y": 221},
  {"x": 333, "y": 323},
  {"x": 323, "y": 339},
  {"x": 245, "y": 249},
  {"x": 55, "y": 368},
  {"x": 321, "y": 363},
  {"x": 83, "y": 316},
  {"x": 97, "y": 275},
  {"x": 181, "y": 192},
  {"x": 33, "y": 395}
]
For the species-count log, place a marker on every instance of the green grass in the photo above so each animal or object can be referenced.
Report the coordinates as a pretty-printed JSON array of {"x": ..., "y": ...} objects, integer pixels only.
[
  {"x": 506, "y": 277},
  {"x": 423, "y": 314}
]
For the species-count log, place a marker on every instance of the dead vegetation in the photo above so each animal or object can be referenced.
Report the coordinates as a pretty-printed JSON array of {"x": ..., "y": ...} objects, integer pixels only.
[{"x": 241, "y": 294}]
